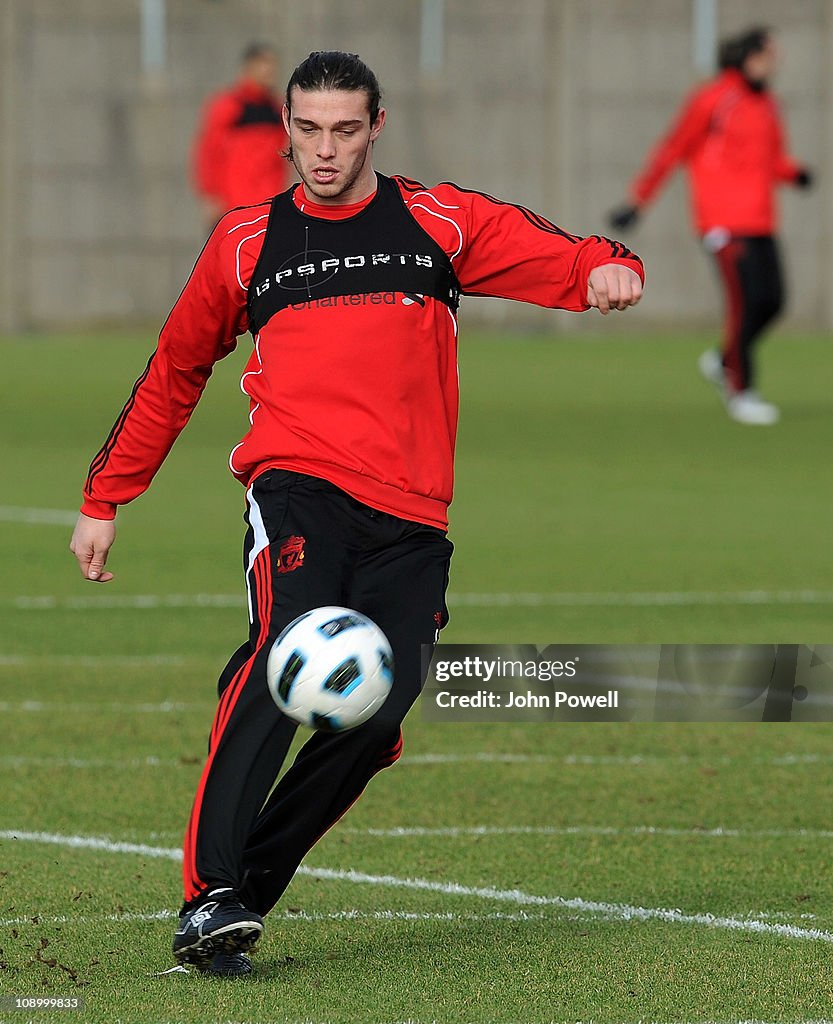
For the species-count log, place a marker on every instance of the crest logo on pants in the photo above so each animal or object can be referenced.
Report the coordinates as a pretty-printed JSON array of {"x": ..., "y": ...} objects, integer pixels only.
[{"x": 291, "y": 554}]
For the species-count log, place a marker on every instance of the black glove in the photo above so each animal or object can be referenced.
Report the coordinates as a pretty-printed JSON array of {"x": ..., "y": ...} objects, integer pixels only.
[
  {"x": 804, "y": 178},
  {"x": 623, "y": 217}
]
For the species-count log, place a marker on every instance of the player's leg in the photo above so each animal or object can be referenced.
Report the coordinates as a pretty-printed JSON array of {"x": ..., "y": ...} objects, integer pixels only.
[
  {"x": 400, "y": 583},
  {"x": 296, "y": 557},
  {"x": 761, "y": 281},
  {"x": 728, "y": 259},
  {"x": 751, "y": 275}
]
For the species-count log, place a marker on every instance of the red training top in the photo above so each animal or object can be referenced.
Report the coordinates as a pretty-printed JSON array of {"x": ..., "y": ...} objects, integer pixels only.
[
  {"x": 359, "y": 389},
  {"x": 731, "y": 139},
  {"x": 237, "y": 153}
]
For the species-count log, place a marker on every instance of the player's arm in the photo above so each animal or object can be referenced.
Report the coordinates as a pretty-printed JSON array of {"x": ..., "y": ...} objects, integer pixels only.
[
  {"x": 686, "y": 134},
  {"x": 208, "y": 154},
  {"x": 788, "y": 170},
  {"x": 507, "y": 251},
  {"x": 201, "y": 329}
]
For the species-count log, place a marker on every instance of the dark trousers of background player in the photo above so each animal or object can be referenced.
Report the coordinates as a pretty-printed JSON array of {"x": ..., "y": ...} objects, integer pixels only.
[
  {"x": 750, "y": 270},
  {"x": 308, "y": 544}
]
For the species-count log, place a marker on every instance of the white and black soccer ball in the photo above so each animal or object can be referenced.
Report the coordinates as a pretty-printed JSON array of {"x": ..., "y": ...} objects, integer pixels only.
[{"x": 330, "y": 669}]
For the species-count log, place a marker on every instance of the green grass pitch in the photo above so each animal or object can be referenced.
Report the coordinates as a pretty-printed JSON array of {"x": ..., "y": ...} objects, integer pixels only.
[{"x": 499, "y": 873}]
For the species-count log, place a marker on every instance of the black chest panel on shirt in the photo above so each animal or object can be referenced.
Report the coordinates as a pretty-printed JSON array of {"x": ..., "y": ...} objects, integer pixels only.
[
  {"x": 257, "y": 113},
  {"x": 381, "y": 249}
]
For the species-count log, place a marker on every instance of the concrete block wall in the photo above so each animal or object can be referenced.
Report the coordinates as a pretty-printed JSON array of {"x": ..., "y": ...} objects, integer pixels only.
[{"x": 551, "y": 103}]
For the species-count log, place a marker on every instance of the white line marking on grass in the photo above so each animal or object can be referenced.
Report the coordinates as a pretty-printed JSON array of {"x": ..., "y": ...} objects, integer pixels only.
[
  {"x": 590, "y": 830},
  {"x": 416, "y": 760},
  {"x": 164, "y": 707},
  {"x": 93, "y": 843},
  {"x": 790, "y": 759},
  {"x": 37, "y": 516},
  {"x": 93, "y": 660},
  {"x": 459, "y": 832},
  {"x": 639, "y": 599},
  {"x": 81, "y": 762},
  {"x": 596, "y": 908},
  {"x": 623, "y": 760},
  {"x": 303, "y": 915},
  {"x": 138, "y": 602},
  {"x": 494, "y": 757},
  {"x": 281, "y": 915},
  {"x": 41, "y": 919},
  {"x": 488, "y": 758},
  {"x": 129, "y": 764},
  {"x": 617, "y": 911},
  {"x": 614, "y": 599}
]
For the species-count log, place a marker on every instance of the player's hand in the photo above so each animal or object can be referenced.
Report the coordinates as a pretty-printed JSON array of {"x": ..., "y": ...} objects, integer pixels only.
[
  {"x": 804, "y": 178},
  {"x": 613, "y": 286},
  {"x": 91, "y": 543},
  {"x": 623, "y": 217}
]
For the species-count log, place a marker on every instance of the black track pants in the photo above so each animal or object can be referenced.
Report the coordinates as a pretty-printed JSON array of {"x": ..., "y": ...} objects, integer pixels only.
[
  {"x": 750, "y": 269},
  {"x": 308, "y": 544}
]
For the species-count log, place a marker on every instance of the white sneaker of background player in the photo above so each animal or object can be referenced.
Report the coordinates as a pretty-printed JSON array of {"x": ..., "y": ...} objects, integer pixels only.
[
  {"x": 710, "y": 365},
  {"x": 749, "y": 407}
]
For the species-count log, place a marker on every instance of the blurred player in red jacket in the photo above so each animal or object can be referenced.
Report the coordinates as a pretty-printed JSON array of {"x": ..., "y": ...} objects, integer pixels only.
[
  {"x": 729, "y": 136},
  {"x": 238, "y": 151}
]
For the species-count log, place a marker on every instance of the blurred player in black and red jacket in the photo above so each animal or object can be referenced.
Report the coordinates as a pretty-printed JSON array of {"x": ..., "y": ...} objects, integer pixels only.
[
  {"x": 349, "y": 284},
  {"x": 238, "y": 152},
  {"x": 730, "y": 137}
]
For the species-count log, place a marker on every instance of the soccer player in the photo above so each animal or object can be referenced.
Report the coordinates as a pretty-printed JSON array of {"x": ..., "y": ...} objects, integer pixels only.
[
  {"x": 349, "y": 284},
  {"x": 237, "y": 155},
  {"x": 729, "y": 136}
]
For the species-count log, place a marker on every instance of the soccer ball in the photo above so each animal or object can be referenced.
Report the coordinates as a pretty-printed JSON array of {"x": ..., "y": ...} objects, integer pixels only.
[{"x": 330, "y": 669}]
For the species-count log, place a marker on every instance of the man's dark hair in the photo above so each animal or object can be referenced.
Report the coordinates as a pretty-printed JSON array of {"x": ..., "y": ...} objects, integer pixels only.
[
  {"x": 332, "y": 69},
  {"x": 734, "y": 51},
  {"x": 256, "y": 49}
]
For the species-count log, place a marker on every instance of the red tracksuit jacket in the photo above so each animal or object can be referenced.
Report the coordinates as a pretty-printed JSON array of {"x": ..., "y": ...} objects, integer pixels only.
[
  {"x": 359, "y": 388},
  {"x": 731, "y": 140},
  {"x": 237, "y": 153}
]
